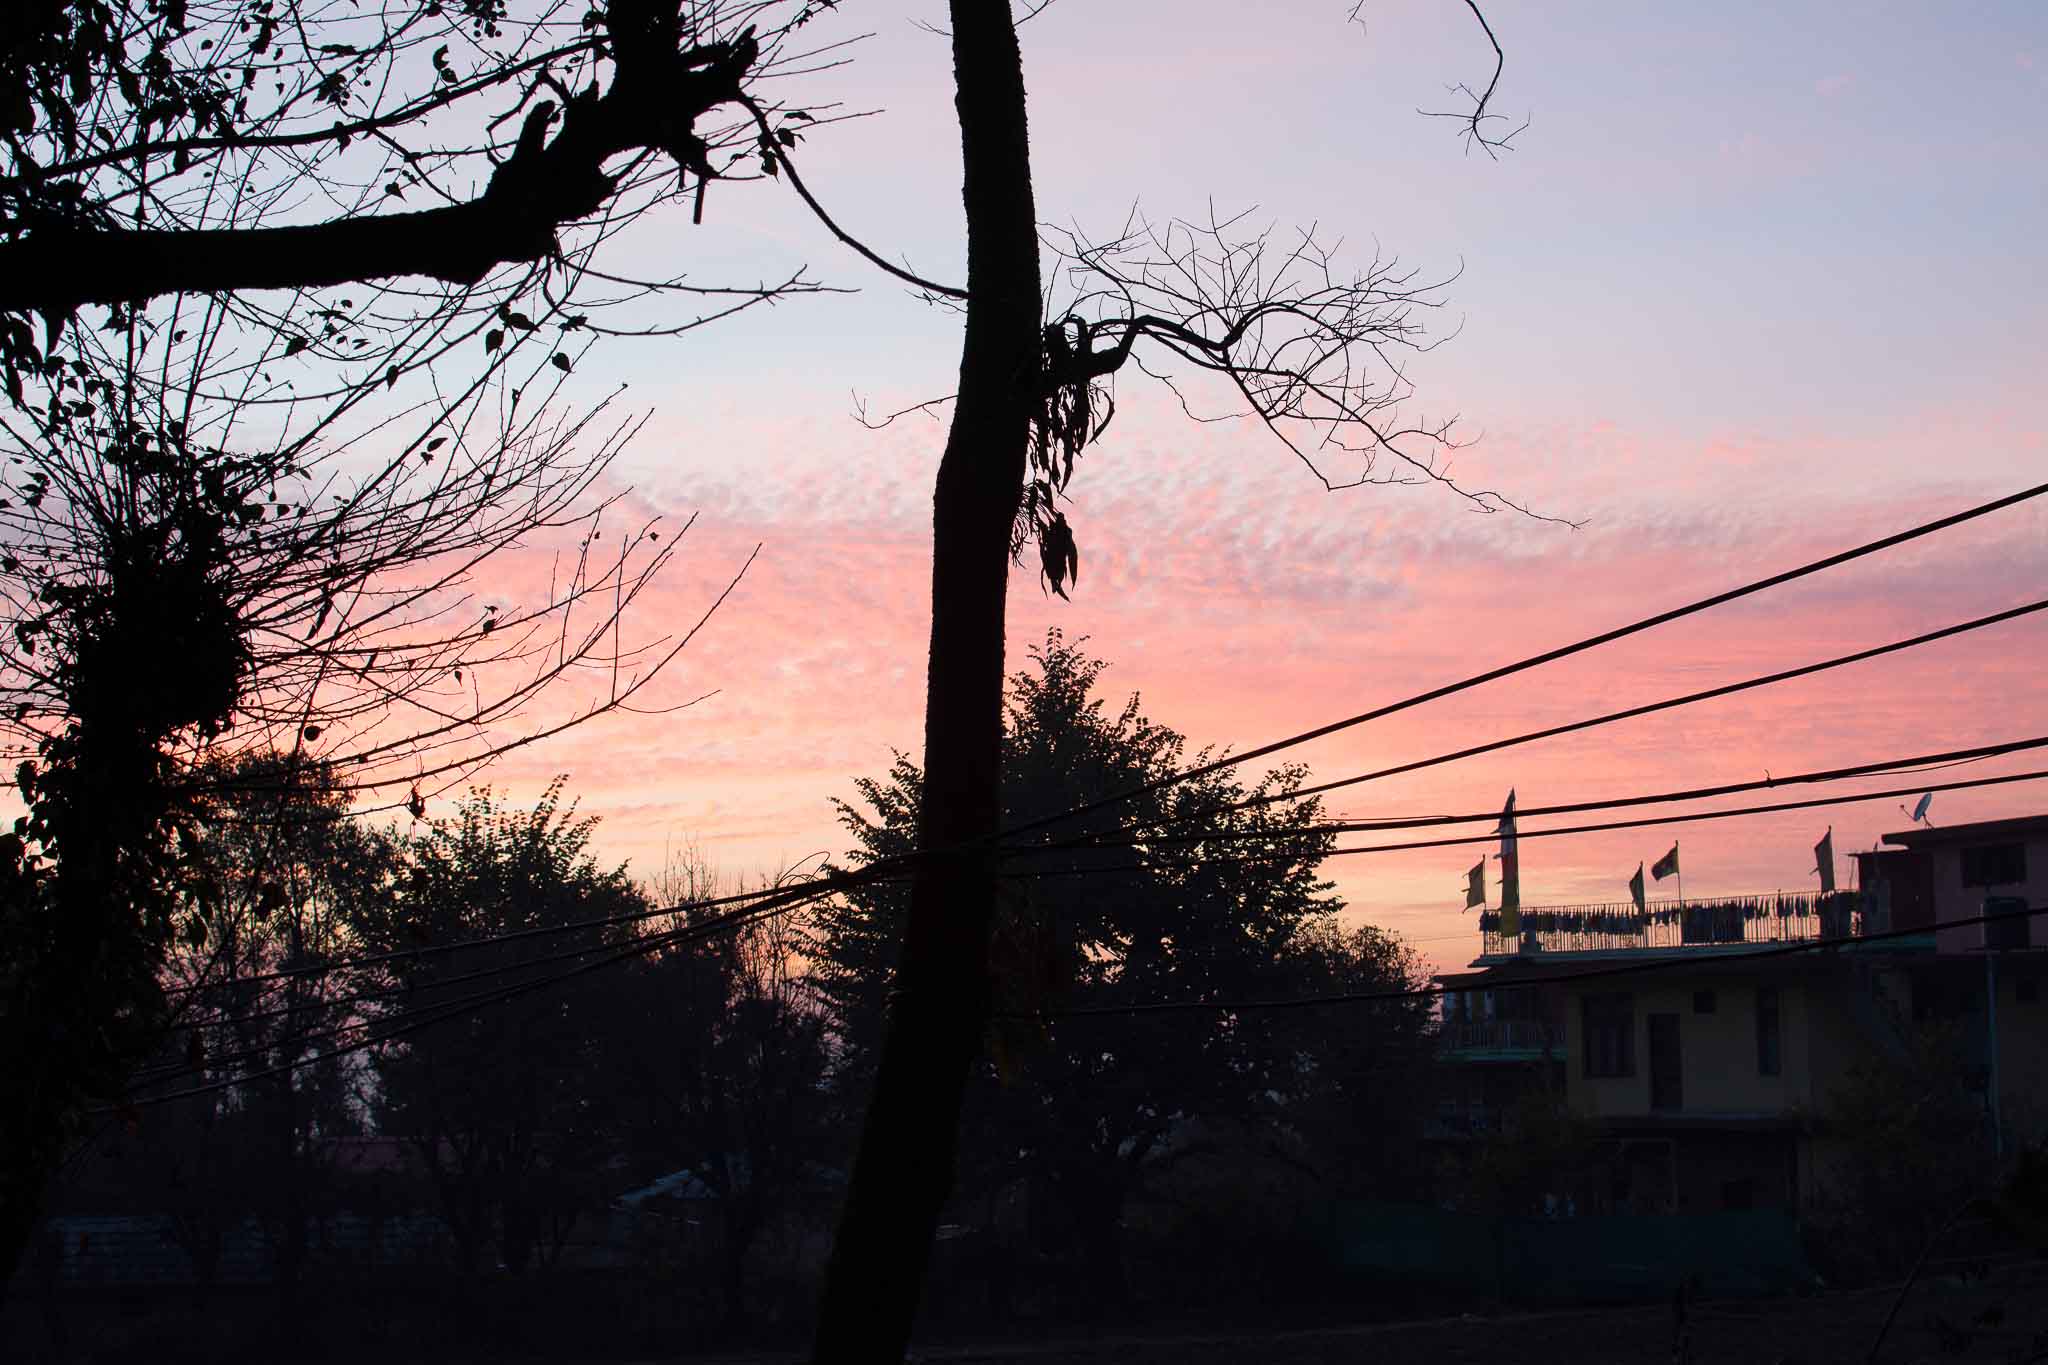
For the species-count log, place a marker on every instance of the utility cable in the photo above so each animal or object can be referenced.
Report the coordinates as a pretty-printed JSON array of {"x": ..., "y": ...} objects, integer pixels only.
[
  {"x": 1890, "y": 767},
  {"x": 1537, "y": 660},
  {"x": 1683, "y": 818},
  {"x": 1633, "y": 712},
  {"x": 1678, "y": 958},
  {"x": 888, "y": 869},
  {"x": 471, "y": 1003}
]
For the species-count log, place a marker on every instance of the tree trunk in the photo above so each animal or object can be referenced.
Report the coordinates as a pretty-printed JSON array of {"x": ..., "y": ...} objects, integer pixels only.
[
  {"x": 904, "y": 1170},
  {"x": 24, "y": 1177},
  {"x": 81, "y": 1011}
]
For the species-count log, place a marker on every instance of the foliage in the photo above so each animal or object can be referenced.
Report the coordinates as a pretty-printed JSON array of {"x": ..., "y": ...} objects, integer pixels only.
[
  {"x": 718, "y": 1054},
  {"x": 1207, "y": 890},
  {"x": 495, "y": 1097},
  {"x": 274, "y": 867},
  {"x": 263, "y": 484},
  {"x": 1539, "y": 1155},
  {"x": 1887, "y": 1177}
]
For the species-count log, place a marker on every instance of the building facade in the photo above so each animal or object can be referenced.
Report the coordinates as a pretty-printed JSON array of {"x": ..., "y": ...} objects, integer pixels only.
[{"x": 1708, "y": 1052}]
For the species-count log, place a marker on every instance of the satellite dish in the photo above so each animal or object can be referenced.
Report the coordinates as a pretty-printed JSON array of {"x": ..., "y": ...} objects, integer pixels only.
[{"x": 1920, "y": 808}]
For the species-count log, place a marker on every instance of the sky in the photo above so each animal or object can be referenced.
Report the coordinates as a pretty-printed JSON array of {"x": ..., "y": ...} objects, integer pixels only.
[{"x": 1754, "y": 284}]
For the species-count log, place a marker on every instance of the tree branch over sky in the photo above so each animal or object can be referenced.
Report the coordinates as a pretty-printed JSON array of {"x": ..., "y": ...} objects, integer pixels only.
[
  {"x": 214, "y": 146},
  {"x": 248, "y": 511}
]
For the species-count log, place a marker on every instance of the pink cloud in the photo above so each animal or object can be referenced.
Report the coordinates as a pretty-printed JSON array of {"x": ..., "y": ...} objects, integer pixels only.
[{"x": 1246, "y": 605}]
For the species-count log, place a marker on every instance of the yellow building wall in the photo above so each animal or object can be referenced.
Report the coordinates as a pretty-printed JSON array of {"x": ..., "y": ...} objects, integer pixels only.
[
  {"x": 1823, "y": 1035},
  {"x": 1717, "y": 1051}
]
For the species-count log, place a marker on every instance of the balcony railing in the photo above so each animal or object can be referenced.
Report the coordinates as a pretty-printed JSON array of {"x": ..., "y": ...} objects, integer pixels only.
[
  {"x": 1485, "y": 1035},
  {"x": 1775, "y": 917}
]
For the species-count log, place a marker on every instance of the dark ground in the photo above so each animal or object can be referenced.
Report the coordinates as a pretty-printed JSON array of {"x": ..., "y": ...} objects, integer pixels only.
[{"x": 1998, "y": 1317}]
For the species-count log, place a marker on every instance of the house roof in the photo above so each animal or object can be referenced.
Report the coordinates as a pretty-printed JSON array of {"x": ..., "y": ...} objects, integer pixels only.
[
  {"x": 1682, "y": 960},
  {"x": 675, "y": 1185},
  {"x": 1928, "y": 836}
]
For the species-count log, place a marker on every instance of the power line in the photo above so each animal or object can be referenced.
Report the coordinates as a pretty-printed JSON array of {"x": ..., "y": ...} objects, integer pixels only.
[
  {"x": 155, "y": 1075},
  {"x": 1537, "y": 660},
  {"x": 1678, "y": 959},
  {"x": 1649, "y": 708},
  {"x": 469, "y": 1005},
  {"x": 804, "y": 892},
  {"x": 825, "y": 884},
  {"x": 381, "y": 993},
  {"x": 481, "y": 1000},
  {"x": 876, "y": 872},
  {"x": 1920, "y": 763},
  {"x": 1682, "y": 818},
  {"x": 886, "y": 870},
  {"x": 412, "y": 1026}
]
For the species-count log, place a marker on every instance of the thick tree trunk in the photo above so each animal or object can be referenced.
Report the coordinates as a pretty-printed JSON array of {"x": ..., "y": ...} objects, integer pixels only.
[
  {"x": 37, "y": 1140},
  {"x": 904, "y": 1171},
  {"x": 80, "y": 1012}
]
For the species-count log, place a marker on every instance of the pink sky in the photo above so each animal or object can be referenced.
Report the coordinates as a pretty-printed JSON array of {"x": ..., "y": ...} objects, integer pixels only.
[{"x": 1739, "y": 299}]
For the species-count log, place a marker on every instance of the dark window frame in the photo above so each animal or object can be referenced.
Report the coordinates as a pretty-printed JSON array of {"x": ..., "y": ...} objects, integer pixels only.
[
  {"x": 1608, "y": 1029},
  {"x": 1770, "y": 1032},
  {"x": 2003, "y": 864},
  {"x": 1667, "y": 1082}
]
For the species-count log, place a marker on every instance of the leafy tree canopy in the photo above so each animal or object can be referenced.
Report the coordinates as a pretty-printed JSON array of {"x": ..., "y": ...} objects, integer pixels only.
[{"x": 1210, "y": 891}]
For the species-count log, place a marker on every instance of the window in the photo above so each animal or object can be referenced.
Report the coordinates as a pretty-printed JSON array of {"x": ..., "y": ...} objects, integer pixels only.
[
  {"x": 1610, "y": 1029},
  {"x": 1994, "y": 865},
  {"x": 1703, "y": 1002},
  {"x": 1667, "y": 1063},
  {"x": 1768, "y": 1058}
]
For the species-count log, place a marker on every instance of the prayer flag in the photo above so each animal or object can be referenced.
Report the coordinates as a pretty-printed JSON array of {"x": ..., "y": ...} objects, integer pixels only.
[{"x": 1665, "y": 865}]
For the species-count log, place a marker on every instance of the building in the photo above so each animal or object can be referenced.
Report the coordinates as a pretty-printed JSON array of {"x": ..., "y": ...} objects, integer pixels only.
[
  {"x": 1704, "y": 1048},
  {"x": 1939, "y": 875}
]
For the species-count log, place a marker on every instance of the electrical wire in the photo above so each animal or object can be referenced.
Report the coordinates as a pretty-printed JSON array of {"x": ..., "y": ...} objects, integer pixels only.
[
  {"x": 1537, "y": 660},
  {"x": 1648, "y": 708},
  {"x": 501, "y": 996},
  {"x": 224, "y": 1021},
  {"x": 1682, "y": 818},
  {"x": 823, "y": 885},
  {"x": 1678, "y": 958},
  {"x": 469, "y": 1005},
  {"x": 1952, "y": 758},
  {"x": 887, "y": 870},
  {"x": 476, "y": 1001}
]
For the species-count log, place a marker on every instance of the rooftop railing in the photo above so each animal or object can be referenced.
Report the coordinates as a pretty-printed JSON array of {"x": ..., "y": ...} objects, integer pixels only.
[{"x": 1772, "y": 917}]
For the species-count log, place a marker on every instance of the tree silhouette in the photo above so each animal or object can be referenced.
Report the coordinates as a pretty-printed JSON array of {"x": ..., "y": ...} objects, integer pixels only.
[
  {"x": 276, "y": 863},
  {"x": 716, "y": 1063},
  {"x": 1305, "y": 350},
  {"x": 1083, "y": 1109},
  {"x": 246, "y": 512},
  {"x": 497, "y": 1101},
  {"x": 156, "y": 147}
]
